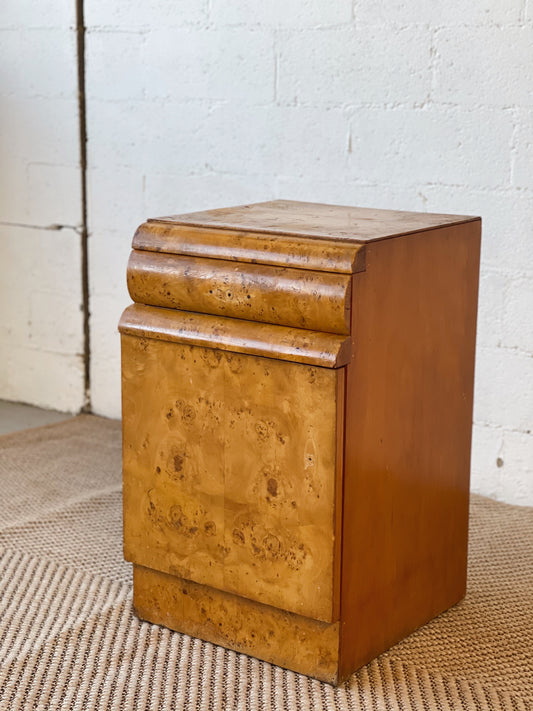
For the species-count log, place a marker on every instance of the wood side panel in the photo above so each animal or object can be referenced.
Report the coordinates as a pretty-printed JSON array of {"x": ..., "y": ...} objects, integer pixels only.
[
  {"x": 275, "y": 250},
  {"x": 317, "y": 301},
  {"x": 408, "y": 437},
  {"x": 327, "y": 350},
  {"x": 299, "y": 643},
  {"x": 229, "y": 469}
]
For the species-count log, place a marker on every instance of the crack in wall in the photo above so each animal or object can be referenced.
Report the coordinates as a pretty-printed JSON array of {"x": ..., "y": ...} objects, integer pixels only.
[
  {"x": 54, "y": 227},
  {"x": 84, "y": 232}
]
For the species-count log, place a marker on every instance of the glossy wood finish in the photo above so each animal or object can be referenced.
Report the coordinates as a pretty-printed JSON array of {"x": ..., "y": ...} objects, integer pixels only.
[
  {"x": 305, "y": 645},
  {"x": 315, "y": 220},
  {"x": 230, "y": 472},
  {"x": 289, "y": 297},
  {"x": 408, "y": 433},
  {"x": 298, "y": 345},
  {"x": 257, "y": 248}
]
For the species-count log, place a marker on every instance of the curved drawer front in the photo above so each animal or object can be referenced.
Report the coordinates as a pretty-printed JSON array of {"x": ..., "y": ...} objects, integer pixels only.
[
  {"x": 318, "y": 301},
  {"x": 231, "y": 472},
  {"x": 320, "y": 255},
  {"x": 328, "y": 350}
]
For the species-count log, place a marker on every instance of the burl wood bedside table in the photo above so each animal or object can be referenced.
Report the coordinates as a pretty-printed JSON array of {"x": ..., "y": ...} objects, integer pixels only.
[{"x": 297, "y": 400}]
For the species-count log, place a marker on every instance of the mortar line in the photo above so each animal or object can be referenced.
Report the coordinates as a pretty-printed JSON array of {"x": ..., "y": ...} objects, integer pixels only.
[
  {"x": 84, "y": 233},
  {"x": 49, "y": 228}
]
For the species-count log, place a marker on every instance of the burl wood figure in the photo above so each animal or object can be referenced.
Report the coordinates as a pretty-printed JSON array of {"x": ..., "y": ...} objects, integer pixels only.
[{"x": 297, "y": 399}]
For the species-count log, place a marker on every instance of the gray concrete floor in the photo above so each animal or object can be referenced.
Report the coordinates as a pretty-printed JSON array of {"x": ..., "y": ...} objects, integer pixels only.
[{"x": 15, "y": 416}]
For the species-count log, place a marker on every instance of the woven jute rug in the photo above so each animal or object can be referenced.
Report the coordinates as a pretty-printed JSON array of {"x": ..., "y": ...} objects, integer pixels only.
[{"x": 69, "y": 639}]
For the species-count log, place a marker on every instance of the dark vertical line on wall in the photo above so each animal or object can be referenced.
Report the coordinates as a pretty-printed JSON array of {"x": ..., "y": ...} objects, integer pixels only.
[{"x": 80, "y": 36}]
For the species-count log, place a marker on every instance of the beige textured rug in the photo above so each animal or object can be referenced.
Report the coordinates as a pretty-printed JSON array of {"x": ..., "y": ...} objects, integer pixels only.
[{"x": 69, "y": 640}]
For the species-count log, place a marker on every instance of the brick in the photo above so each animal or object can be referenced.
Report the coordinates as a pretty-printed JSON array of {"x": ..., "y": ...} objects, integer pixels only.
[
  {"x": 14, "y": 192},
  {"x": 144, "y": 137},
  {"x": 15, "y": 287},
  {"x": 105, "y": 314},
  {"x": 337, "y": 190},
  {"x": 21, "y": 246},
  {"x": 230, "y": 64},
  {"x": 55, "y": 323},
  {"x": 54, "y": 195},
  {"x": 416, "y": 146},
  {"x": 60, "y": 251},
  {"x": 507, "y": 227},
  {"x": 105, "y": 386},
  {"x": 40, "y": 130},
  {"x": 492, "y": 287},
  {"x": 517, "y": 468},
  {"x": 33, "y": 249},
  {"x": 484, "y": 66},
  {"x": 119, "y": 130},
  {"x": 343, "y": 66},
  {"x": 116, "y": 199},
  {"x": 276, "y": 140},
  {"x": 167, "y": 194},
  {"x": 42, "y": 63},
  {"x": 114, "y": 66},
  {"x": 51, "y": 380},
  {"x": 108, "y": 256},
  {"x": 105, "y": 360},
  {"x": 523, "y": 150},
  {"x": 18, "y": 245},
  {"x": 518, "y": 315},
  {"x": 453, "y": 12},
  {"x": 45, "y": 13},
  {"x": 277, "y": 13},
  {"x": 502, "y": 464},
  {"x": 487, "y": 450},
  {"x": 503, "y": 388},
  {"x": 139, "y": 14},
  {"x": 40, "y": 293}
]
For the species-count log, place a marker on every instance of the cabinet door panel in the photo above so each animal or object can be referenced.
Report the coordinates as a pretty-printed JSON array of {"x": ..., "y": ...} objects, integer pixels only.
[{"x": 230, "y": 468}]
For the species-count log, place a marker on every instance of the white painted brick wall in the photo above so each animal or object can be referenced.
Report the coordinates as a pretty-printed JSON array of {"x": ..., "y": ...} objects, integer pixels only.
[
  {"x": 406, "y": 104},
  {"x": 40, "y": 290},
  {"x": 339, "y": 66},
  {"x": 487, "y": 65}
]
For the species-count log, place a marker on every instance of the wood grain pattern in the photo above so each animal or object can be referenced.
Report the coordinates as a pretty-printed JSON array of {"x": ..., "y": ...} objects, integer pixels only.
[
  {"x": 408, "y": 434},
  {"x": 327, "y": 350},
  {"x": 290, "y": 297},
  {"x": 283, "y": 638},
  {"x": 276, "y": 250},
  {"x": 307, "y": 219},
  {"x": 230, "y": 472},
  {"x": 296, "y": 469}
]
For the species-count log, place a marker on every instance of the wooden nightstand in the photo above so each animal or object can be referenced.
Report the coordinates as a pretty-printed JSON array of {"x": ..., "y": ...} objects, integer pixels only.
[{"x": 297, "y": 400}]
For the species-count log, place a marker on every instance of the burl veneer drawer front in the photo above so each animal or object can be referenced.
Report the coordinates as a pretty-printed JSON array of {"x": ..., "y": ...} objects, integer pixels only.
[
  {"x": 231, "y": 472},
  {"x": 324, "y": 255},
  {"x": 299, "y": 298},
  {"x": 328, "y": 350}
]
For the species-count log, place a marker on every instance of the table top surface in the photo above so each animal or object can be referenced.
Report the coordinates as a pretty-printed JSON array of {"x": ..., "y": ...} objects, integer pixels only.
[{"x": 332, "y": 222}]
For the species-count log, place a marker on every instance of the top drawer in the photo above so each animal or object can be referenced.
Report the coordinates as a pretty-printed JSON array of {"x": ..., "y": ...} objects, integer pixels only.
[
  {"x": 299, "y": 298},
  {"x": 278, "y": 250}
]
